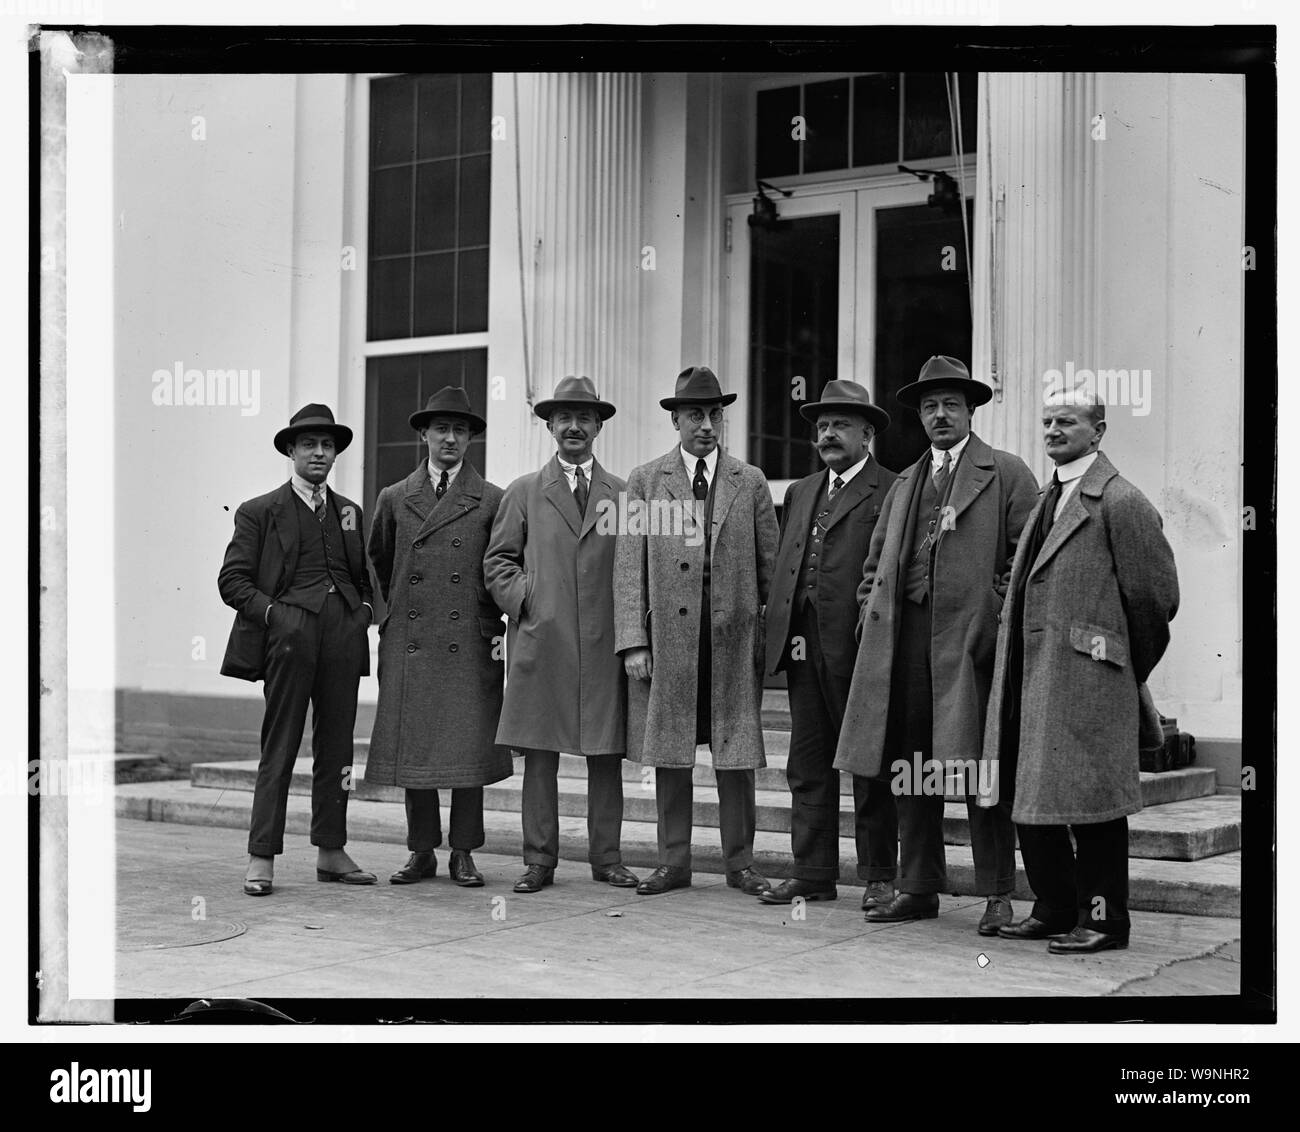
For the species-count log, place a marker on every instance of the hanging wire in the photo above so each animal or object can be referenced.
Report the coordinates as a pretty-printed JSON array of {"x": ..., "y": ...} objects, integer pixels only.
[
  {"x": 519, "y": 235},
  {"x": 954, "y": 121}
]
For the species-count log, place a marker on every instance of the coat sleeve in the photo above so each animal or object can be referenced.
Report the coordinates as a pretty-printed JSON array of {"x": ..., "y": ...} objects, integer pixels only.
[
  {"x": 631, "y": 578},
  {"x": 767, "y": 536},
  {"x": 1147, "y": 577},
  {"x": 237, "y": 581},
  {"x": 382, "y": 541},
  {"x": 1021, "y": 498},
  {"x": 503, "y": 564}
]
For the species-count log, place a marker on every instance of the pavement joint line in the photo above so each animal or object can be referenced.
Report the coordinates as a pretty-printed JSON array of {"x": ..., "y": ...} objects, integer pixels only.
[{"x": 1169, "y": 964}]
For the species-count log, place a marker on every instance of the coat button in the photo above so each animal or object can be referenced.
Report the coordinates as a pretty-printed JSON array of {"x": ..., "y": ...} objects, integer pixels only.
[
  {"x": 453, "y": 647},
  {"x": 682, "y": 611},
  {"x": 455, "y": 614},
  {"x": 411, "y": 648},
  {"x": 415, "y": 578},
  {"x": 792, "y": 569},
  {"x": 455, "y": 577},
  {"x": 413, "y": 614},
  {"x": 875, "y": 616},
  {"x": 419, "y": 543},
  {"x": 455, "y": 542},
  {"x": 686, "y": 565}
]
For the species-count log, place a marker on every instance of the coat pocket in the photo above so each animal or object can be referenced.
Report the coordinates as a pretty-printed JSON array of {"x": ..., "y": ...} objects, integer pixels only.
[{"x": 1099, "y": 643}]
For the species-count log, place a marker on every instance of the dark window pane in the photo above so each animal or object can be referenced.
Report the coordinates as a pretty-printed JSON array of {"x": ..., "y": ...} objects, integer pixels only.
[
  {"x": 435, "y": 298},
  {"x": 390, "y": 299},
  {"x": 826, "y": 114},
  {"x": 475, "y": 113},
  {"x": 440, "y": 370},
  {"x": 875, "y": 119},
  {"x": 776, "y": 151},
  {"x": 476, "y": 380},
  {"x": 472, "y": 292},
  {"x": 394, "y": 462},
  {"x": 399, "y": 395},
  {"x": 392, "y": 119},
  {"x": 926, "y": 128},
  {"x": 439, "y": 124},
  {"x": 435, "y": 206},
  {"x": 969, "y": 98},
  {"x": 390, "y": 211},
  {"x": 474, "y": 200}
]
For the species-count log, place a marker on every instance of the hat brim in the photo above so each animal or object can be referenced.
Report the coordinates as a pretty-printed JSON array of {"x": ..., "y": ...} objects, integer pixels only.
[
  {"x": 876, "y": 416},
  {"x": 424, "y": 416},
  {"x": 341, "y": 433},
  {"x": 975, "y": 391},
  {"x": 677, "y": 402},
  {"x": 604, "y": 410}
]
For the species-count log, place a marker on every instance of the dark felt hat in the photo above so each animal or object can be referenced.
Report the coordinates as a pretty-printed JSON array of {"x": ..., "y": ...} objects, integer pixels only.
[
  {"x": 846, "y": 397},
  {"x": 578, "y": 393},
  {"x": 449, "y": 401},
  {"x": 943, "y": 372},
  {"x": 697, "y": 385},
  {"x": 313, "y": 418}
]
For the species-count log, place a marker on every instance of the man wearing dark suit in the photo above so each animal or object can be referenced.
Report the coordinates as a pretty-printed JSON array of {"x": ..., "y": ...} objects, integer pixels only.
[
  {"x": 826, "y": 525},
  {"x": 296, "y": 572}
]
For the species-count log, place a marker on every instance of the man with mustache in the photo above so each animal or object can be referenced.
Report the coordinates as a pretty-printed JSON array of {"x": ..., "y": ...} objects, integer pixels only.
[
  {"x": 551, "y": 568},
  {"x": 931, "y": 592},
  {"x": 826, "y": 525}
]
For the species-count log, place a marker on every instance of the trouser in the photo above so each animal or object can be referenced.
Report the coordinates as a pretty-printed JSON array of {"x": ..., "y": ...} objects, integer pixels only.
[
  {"x": 674, "y": 795},
  {"x": 541, "y": 808},
  {"x": 311, "y": 658},
  {"x": 1086, "y": 885},
  {"x": 909, "y": 731},
  {"x": 817, "y": 700},
  {"x": 424, "y": 819}
]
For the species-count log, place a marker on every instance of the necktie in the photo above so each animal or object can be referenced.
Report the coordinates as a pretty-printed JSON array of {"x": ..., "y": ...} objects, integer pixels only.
[
  {"x": 441, "y": 489},
  {"x": 836, "y": 485},
  {"x": 318, "y": 502},
  {"x": 1046, "y": 518},
  {"x": 580, "y": 489},
  {"x": 941, "y": 476},
  {"x": 700, "y": 484}
]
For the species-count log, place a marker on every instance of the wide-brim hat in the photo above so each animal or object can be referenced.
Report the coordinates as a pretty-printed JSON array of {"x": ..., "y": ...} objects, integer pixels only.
[
  {"x": 313, "y": 418},
  {"x": 577, "y": 392},
  {"x": 697, "y": 385},
  {"x": 846, "y": 397},
  {"x": 943, "y": 372},
  {"x": 449, "y": 401}
]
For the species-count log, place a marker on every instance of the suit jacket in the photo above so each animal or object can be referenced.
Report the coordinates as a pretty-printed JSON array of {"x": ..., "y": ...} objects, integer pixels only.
[
  {"x": 1096, "y": 611},
  {"x": 844, "y": 549},
  {"x": 658, "y": 588},
  {"x": 991, "y": 497},
  {"x": 552, "y": 570},
  {"x": 259, "y": 566}
]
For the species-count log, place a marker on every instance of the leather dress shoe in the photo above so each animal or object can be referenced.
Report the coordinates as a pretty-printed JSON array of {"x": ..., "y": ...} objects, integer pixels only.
[
  {"x": 616, "y": 875},
  {"x": 259, "y": 886},
  {"x": 535, "y": 878},
  {"x": 748, "y": 881},
  {"x": 353, "y": 876},
  {"x": 905, "y": 906},
  {"x": 879, "y": 892},
  {"x": 462, "y": 870},
  {"x": 997, "y": 914},
  {"x": 664, "y": 879},
  {"x": 420, "y": 865},
  {"x": 1031, "y": 928},
  {"x": 787, "y": 890},
  {"x": 1084, "y": 941}
]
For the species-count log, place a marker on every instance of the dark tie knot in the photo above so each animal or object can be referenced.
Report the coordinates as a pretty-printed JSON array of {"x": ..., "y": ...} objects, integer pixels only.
[{"x": 441, "y": 489}]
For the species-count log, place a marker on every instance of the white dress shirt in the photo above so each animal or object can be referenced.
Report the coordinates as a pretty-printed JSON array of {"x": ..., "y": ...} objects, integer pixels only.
[
  {"x": 845, "y": 477},
  {"x": 435, "y": 473},
  {"x": 937, "y": 454},
  {"x": 710, "y": 464},
  {"x": 1070, "y": 474},
  {"x": 571, "y": 471}
]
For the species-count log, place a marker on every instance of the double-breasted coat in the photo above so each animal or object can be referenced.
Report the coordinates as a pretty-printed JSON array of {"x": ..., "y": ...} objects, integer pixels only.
[
  {"x": 551, "y": 568},
  {"x": 440, "y": 657},
  {"x": 658, "y": 586},
  {"x": 992, "y": 495},
  {"x": 1096, "y": 610}
]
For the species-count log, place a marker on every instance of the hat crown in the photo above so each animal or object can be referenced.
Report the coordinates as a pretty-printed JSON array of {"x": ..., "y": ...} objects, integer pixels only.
[
  {"x": 941, "y": 366},
  {"x": 312, "y": 413},
  {"x": 698, "y": 383},
  {"x": 574, "y": 389},
  {"x": 848, "y": 392},
  {"x": 449, "y": 399}
]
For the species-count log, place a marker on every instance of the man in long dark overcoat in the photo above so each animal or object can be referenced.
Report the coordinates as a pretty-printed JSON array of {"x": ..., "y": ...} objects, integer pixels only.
[
  {"x": 931, "y": 592},
  {"x": 550, "y": 566},
  {"x": 1093, "y": 590},
  {"x": 440, "y": 654},
  {"x": 690, "y": 580},
  {"x": 826, "y": 526}
]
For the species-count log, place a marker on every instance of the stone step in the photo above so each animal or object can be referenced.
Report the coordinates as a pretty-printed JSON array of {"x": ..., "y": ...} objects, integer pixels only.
[
  {"x": 1183, "y": 831},
  {"x": 1208, "y": 887}
]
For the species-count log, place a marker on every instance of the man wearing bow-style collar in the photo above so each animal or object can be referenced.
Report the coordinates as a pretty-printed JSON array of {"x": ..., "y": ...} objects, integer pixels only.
[
  {"x": 440, "y": 657},
  {"x": 550, "y": 566}
]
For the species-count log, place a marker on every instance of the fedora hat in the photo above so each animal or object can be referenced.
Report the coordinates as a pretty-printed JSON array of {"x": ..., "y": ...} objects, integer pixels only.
[
  {"x": 697, "y": 385},
  {"x": 313, "y": 418},
  {"x": 846, "y": 397},
  {"x": 943, "y": 372},
  {"x": 449, "y": 401},
  {"x": 577, "y": 392}
]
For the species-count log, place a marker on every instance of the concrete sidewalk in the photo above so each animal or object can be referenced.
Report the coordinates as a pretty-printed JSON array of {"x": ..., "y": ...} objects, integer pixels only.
[{"x": 579, "y": 939}]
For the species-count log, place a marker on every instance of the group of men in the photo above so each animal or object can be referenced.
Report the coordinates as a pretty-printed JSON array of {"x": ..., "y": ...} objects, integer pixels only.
[{"x": 952, "y": 616}]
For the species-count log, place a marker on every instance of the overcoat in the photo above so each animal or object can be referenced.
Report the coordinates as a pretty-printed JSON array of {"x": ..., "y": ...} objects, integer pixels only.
[
  {"x": 991, "y": 497},
  {"x": 658, "y": 588},
  {"x": 1097, "y": 607},
  {"x": 844, "y": 549},
  {"x": 259, "y": 566},
  {"x": 440, "y": 656},
  {"x": 551, "y": 569}
]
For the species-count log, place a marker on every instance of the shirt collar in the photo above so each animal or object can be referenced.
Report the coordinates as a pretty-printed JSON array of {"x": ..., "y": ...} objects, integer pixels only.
[
  {"x": 304, "y": 488},
  {"x": 847, "y": 476},
  {"x": 1073, "y": 469},
  {"x": 568, "y": 469},
  {"x": 710, "y": 461},
  {"x": 936, "y": 454},
  {"x": 435, "y": 473}
]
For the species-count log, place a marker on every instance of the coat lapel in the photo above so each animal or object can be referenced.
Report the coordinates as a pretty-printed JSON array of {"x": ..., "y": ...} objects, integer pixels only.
[
  {"x": 727, "y": 472},
  {"x": 673, "y": 473},
  {"x": 860, "y": 487},
  {"x": 902, "y": 521},
  {"x": 464, "y": 495},
  {"x": 802, "y": 505},
  {"x": 602, "y": 488},
  {"x": 556, "y": 489},
  {"x": 975, "y": 471},
  {"x": 1075, "y": 513}
]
